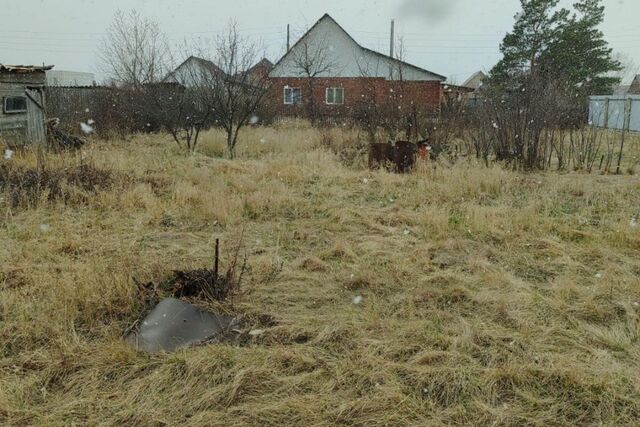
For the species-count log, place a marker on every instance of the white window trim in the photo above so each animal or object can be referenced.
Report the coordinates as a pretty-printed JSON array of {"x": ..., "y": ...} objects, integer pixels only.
[
  {"x": 4, "y": 105},
  {"x": 326, "y": 95},
  {"x": 284, "y": 95}
]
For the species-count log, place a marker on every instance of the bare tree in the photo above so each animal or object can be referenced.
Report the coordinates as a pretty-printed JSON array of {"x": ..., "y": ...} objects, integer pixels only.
[
  {"x": 137, "y": 56},
  {"x": 134, "y": 51},
  {"x": 230, "y": 91},
  {"x": 385, "y": 107},
  {"x": 313, "y": 59}
]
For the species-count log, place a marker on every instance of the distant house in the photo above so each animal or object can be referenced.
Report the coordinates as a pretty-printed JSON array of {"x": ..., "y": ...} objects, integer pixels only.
[
  {"x": 634, "y": 88},
  {"x": 630, "y": 89},
  {"x": 69, "y": 78},
  {"x": 22, "y": 94},
  {"x": 191, "y": 71},
  {"x": 475, "y": 81},
  {"x": 261, "y": 70},
  {"x": 621, "y": 90},
  {"x": 346, "y": 72}
]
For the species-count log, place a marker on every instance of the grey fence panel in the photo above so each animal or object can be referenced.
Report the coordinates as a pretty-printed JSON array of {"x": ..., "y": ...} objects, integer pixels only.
[
  {"x": 610, "y": 111},
  {"x": 597, "y": 112},
  {"x": 634, "y": 122},
  {"x": 616, "y": 114}
]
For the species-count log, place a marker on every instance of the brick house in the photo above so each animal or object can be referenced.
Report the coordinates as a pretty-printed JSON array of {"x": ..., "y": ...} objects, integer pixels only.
[{"x": 330, "y": 71}]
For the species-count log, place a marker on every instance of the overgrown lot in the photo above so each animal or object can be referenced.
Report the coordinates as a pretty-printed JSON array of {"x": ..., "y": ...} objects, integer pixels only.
[{"x": 488, "y": 297}]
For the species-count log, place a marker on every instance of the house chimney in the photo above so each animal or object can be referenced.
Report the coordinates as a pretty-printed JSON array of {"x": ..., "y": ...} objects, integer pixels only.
[
  {"x": 288, "y": 38},
  {"x": 391, "y": 42}
]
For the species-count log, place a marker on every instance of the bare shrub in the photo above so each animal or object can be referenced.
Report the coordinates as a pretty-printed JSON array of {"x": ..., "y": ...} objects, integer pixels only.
[
  {"x": 27, "y": 186},
  {"x": 203, "y": 283},
  {"x": 522, "y": 124}
]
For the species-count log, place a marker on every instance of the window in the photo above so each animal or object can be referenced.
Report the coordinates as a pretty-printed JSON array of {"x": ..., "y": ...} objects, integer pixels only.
[
  {"x": 292, "y": 95},
  {"x": 335, "y": 95},
  {"x": 15, "y": 104}
]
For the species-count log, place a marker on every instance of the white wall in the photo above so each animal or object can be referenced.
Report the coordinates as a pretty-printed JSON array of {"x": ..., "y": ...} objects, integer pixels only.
[{"x": 69, "y": 78}]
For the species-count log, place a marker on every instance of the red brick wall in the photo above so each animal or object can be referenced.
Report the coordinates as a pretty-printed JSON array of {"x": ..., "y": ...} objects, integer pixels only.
[{"x": 424, "y": 94}]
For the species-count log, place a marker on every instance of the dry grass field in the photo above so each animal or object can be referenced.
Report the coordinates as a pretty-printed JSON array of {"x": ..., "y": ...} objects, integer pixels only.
[{"x": 488, "y": 297}]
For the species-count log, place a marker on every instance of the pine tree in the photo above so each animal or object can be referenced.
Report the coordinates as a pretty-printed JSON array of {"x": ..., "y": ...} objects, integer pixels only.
[
  {"x": 580, "y": 57},
  {"x": 535, "y": 30}
]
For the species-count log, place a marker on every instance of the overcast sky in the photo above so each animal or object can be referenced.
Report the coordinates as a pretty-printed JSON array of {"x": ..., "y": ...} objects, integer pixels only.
[{"x": 450, "y": 37}]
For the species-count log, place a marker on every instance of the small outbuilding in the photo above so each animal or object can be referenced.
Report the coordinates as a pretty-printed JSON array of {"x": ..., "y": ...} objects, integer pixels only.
[{"x": 22, "y": 113}]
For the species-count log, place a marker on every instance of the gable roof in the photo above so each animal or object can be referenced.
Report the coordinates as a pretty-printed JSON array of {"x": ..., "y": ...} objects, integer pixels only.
[
  {"x": 263, "y": 63},
  {"x": 475, "y": 80},
  {"x": 328, "y": 17},
  {"x": 634, "y": 88},
  {"x": 204, "y": 63},
  {"x": 621, "y": 90}
]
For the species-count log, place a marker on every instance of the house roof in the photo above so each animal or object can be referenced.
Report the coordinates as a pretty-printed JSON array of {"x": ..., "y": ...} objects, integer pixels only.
[
  {"x": 263, "y": 63},
  {"x": 326, "y": 16},
  {"x": 475, "y": 80},
  {"x": 634, "y": 88},
  {"x": 24, "y": 69},
  {"x": 213, "y": 68},
  {"x": 621, "y": 89}
]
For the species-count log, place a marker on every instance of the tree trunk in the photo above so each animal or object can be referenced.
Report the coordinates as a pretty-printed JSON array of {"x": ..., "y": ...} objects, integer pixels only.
[{"x": 231, "y": 143}]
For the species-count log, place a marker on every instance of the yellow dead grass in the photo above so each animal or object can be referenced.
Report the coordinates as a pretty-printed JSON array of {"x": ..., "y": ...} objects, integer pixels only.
[{"x": 488, "y": 296}]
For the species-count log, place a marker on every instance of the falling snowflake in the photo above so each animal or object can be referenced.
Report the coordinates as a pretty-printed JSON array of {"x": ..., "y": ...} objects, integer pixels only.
[
  {"x": 357, "y": 299},
  {"x": 495, "y": 125},
  {"x": 253, "y": 120},
  {"x": 8, "y": 154},
  {"x": 86, "y": 110},
  {"x": 86, "y": 128}
]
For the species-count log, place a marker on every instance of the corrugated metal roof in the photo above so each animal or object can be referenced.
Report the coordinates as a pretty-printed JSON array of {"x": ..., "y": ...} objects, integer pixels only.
[{"x": 24, "y": 68}]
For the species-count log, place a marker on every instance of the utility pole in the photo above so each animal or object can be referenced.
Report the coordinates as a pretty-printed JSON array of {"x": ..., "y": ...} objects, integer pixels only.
[
  {"x": 288, "y": 38},
  {"x": 391, "y": 41}
]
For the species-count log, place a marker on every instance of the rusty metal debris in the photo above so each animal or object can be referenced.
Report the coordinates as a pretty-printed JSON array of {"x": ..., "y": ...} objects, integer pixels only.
[{"x": 175, "y": 324}]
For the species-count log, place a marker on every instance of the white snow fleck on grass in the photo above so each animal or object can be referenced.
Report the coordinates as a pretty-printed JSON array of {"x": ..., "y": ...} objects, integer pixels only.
[{"x": 86, "y": 128}]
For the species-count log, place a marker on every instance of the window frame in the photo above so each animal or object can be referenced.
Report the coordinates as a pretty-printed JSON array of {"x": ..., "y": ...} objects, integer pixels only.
[
  {"x": 292, "y": 90},
  {"x": 5, "y": 100},
  {"x": 334, "y": 90}
]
